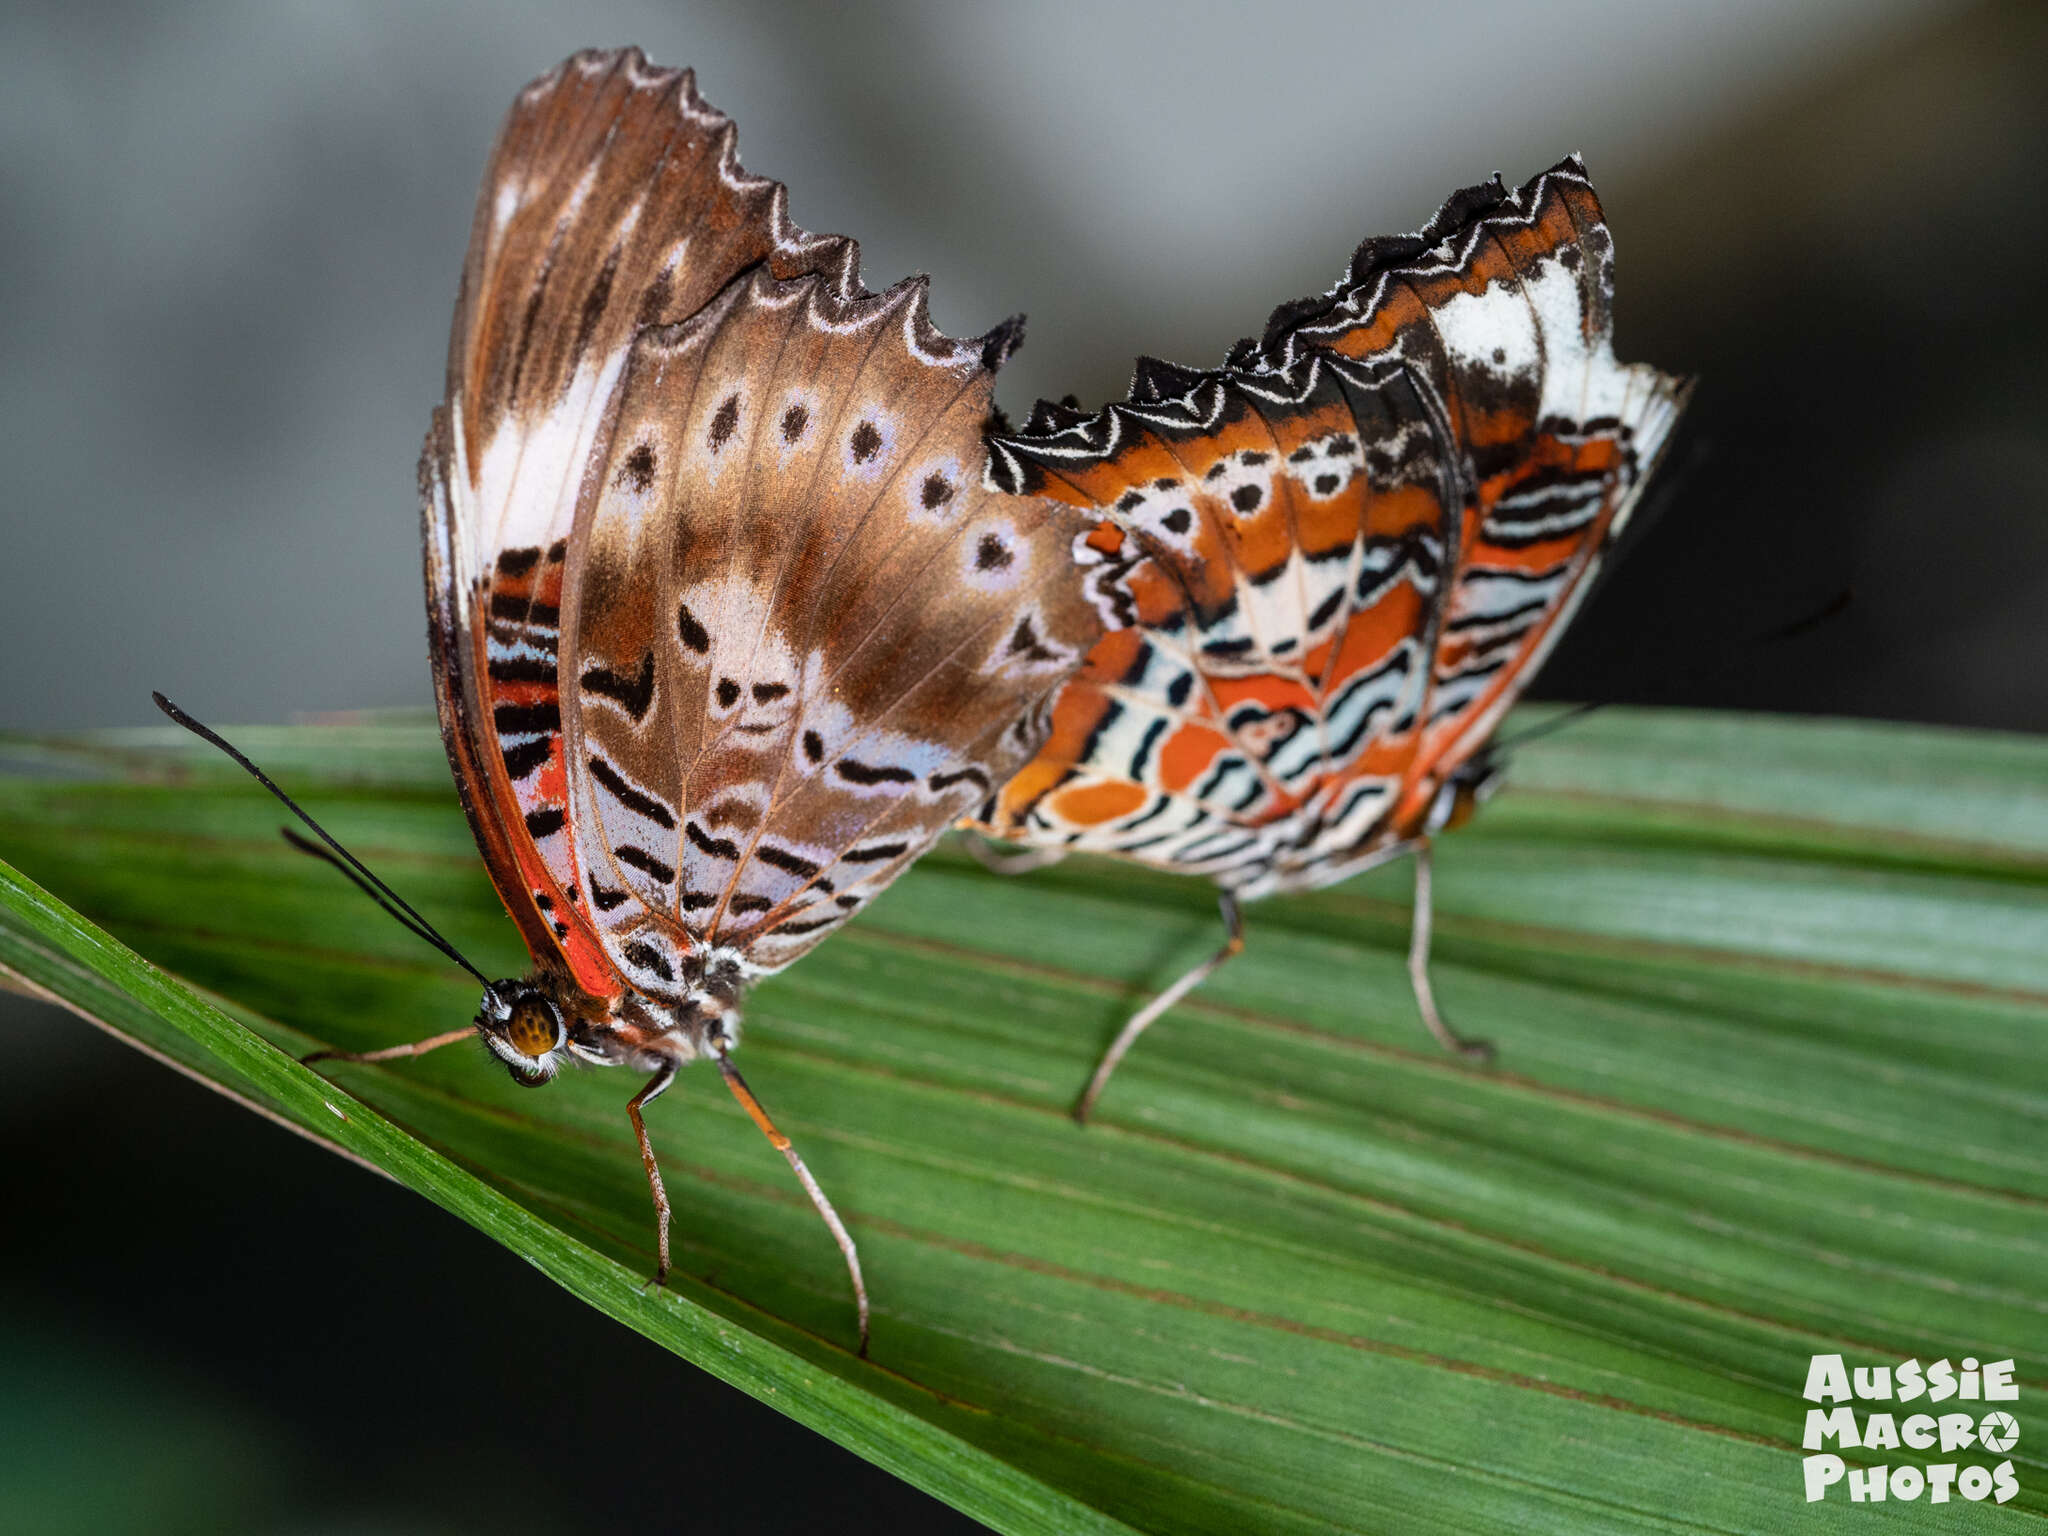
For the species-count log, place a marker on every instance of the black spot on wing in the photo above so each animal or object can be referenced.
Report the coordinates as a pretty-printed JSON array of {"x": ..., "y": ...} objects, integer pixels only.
[
  {"x": 638, "y": 468},
  {"x": 782, "y": 859},
  {"x": 517, "y": 562},
  {"x": 632, "y": 799},
  {"x": 694, "y": 636},
  {"x": 639, "y": 952},
  {"x": 874, "y": 853},
  {"x": 1024, "y": 642},
  {"x": 521, "y": 669},
  {"x": 522, "y": 759},
  {"x": 704, "y": 842},
  {"x": 724, "y": 422},
  {"x": 525, "y": 719},
  {"x": 866, "y": 773},
  {"x": 634, "y": 694},
  {"x": 545, "y": 822},
  {"x": 866, "y": 442},
  {"x": 645, "y": 862}
]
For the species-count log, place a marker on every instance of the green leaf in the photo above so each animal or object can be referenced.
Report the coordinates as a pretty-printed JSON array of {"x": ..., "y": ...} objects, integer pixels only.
[{"x": 1771, "y": 999}]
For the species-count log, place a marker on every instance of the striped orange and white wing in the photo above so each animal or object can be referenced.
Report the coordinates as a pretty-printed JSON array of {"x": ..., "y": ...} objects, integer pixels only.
[{"x": 1332, "y": 564}]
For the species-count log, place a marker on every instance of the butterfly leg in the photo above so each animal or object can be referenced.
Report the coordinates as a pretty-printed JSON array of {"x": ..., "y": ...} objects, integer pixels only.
[
  {"x": 647, "y": 1095},
  {"x": 781, "y": 1143},
  {"x": 1233, "y": 943},
  {"x": 985, "y": 853},
  {"x": 1418, "y": 967},
  {"x": 392, "y": 1052}
]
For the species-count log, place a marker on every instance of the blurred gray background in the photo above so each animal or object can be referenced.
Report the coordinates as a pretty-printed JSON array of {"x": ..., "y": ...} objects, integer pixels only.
[{"x": 229, "y": 239}]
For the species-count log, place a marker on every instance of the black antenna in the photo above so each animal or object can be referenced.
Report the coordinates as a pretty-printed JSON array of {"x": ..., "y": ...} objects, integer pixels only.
[
  {"x": 340, "y": 858},
  {"x": 1543, "y": 728},
  {"x": 1832, "y": 609},
  {"x": 307, "y": 846}
]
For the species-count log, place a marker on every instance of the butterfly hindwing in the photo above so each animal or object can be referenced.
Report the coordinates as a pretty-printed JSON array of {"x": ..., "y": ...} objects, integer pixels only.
[
  {"x": 1198, "y": 734},
  {"x": 1330, "y": 566},
  {"x": 1505, "y": 304},
  {"x": 794, "y": 613}
]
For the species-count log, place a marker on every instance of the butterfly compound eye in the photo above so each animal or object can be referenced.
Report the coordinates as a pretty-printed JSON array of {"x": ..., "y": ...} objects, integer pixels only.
[{"x": 534, "y": 1029}]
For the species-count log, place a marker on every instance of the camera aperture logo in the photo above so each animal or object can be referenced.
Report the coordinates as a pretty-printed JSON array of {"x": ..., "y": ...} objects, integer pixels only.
[{"x": 1853, "y": 1424}]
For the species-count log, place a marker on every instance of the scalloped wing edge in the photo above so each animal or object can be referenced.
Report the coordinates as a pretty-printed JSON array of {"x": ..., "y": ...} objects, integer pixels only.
[{"x": 1277, "y": 365}]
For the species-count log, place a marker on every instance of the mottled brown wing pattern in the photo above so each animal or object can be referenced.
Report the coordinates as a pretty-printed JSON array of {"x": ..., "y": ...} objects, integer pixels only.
[
  {"x": 613, "y": 200},
  {"x": 623, "y": 526},
  {"x": 1340, "y": 557},
  {"x": 727, "y": 624},
  {"x": 804, "y": 637}
]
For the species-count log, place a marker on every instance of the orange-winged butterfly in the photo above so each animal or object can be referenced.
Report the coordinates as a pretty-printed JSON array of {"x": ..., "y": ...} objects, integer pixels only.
[
  {"x": 1329, "y": 567},
  {"x": 726, "y": 626},
  {"x": 732, "y": 609}
]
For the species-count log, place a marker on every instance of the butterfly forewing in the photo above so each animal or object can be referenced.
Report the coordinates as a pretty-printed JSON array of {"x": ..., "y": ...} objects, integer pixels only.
[
  {"x": 1505, "y": 303},
  {"x": 728, "y": 627}
]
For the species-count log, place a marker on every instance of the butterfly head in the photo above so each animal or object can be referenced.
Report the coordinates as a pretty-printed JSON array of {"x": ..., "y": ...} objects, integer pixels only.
[{"x": 525, "y": 1029}]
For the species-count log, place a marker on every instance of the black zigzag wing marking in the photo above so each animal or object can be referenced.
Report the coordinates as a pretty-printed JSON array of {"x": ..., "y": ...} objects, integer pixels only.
[{"x": 635, "y": 695}]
